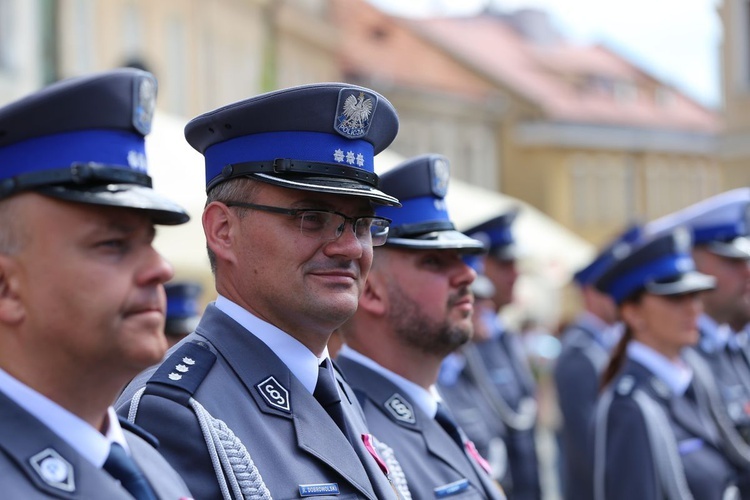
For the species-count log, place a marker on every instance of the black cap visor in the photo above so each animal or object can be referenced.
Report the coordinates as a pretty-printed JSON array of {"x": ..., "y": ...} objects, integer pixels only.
[
  {"x": 439, "y": 240},
  {"x": 690, "y": 282},
  {"x": 160, "y": 209},
  {"x": 179, "y": 327},
  {"x": 345, "y": 187},
  {"x": 506, "y": 253}
]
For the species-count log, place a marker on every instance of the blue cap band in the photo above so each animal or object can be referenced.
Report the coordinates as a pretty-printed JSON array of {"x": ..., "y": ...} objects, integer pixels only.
[
  {"x": 309, "y": 146},
  {"x": 416, "y": 211},
  {"x": 667, "y": 266},
  {"x": 498, "y": 236},
  {"x": 181, "y": 307},
  {"x": 725, "y": 232},
  {"x": 108, "y": 147}
]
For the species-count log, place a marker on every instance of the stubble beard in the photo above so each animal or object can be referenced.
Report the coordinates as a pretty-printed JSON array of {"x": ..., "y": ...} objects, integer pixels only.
[{"x": 416, "y": 330}]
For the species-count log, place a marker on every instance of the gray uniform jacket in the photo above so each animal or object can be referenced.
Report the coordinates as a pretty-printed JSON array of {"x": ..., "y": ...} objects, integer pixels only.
[
  {"x": 222, "y": 400},
  {"x": 433, "y": 464},
  {"x": 498, "y": 367},
  {"x": 627, "y": 465},
  {"x": 577, "y": 374},
  {"x": 36, "y": 463}
]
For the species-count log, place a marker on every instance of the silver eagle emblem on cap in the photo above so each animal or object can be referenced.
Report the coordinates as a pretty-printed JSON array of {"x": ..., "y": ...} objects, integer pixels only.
[
  {"x": 144, "y": 104},
  {"x": 354, "y": 113},
  {"x": 440, "y": 176}
]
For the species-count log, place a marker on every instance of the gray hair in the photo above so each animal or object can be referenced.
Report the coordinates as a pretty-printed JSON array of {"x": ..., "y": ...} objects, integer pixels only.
[{"x": 239, "y": 189}]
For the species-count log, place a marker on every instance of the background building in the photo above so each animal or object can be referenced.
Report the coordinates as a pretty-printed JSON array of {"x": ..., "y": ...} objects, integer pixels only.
[{"x": 578, "y": 133}]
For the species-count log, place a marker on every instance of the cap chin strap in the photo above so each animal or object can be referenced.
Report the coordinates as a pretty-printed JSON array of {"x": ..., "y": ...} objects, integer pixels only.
[
  {"x": 77, "y": 173},
  {"x": 289, "y": 166}
]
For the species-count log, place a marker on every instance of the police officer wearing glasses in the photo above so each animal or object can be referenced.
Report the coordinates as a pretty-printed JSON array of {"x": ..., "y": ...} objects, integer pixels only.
[
  {"x": 81, "y": 290},
  {"x": 250, "y": 405}
]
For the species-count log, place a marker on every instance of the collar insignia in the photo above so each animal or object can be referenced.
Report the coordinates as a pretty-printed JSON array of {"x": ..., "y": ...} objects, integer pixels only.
[
  {"x": 54, "y": 470},
  {"x": 400, "y": 409},
  {"x": 275, "y": 394}
]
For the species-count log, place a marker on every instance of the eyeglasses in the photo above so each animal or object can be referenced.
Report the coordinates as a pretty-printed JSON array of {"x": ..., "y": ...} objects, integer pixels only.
[{"x": 328, "y": 225}]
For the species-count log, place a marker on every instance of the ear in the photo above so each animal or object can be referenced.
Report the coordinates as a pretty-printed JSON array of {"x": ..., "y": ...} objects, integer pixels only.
[
  {"x": 218, "y": 222},
  {"x": 631, "y": 315},
  {"x": 374, "y": 298},
  {"x": 12, "y": 310}
]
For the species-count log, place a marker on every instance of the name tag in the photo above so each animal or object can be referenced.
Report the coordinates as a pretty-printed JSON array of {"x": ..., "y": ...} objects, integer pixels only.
[
  {"x": 689, "y": 445},
  {"x": 317, "y": 490},
  {"x": 451, "y": 488}
]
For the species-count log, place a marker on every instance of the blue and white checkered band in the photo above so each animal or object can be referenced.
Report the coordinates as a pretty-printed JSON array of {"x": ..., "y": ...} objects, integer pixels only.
[
  {"x": 440, "y": 174},
  {"x": 114, "y": 148},
  {"x": 415, "y": 211},
  {"x": 308, "y": 146},
  {"x": 354, "y": 111},
  {"x": 144, "y": 103},
  {"x": 664, "y": 267}
]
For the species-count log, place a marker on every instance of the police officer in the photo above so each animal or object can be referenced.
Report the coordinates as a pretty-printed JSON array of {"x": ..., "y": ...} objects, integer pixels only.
[
  {"x": 249, "y": 405},
  {"x": 586, "y": 344},
  {"x": 720, "y": 226},
  {"x": 652, "y": 439},
  {"x": 416, "y": 308},
  {"x": 498, "y": 365},
  {"x": 183, "y": 309},
  {"x": 82, "y": 301}
]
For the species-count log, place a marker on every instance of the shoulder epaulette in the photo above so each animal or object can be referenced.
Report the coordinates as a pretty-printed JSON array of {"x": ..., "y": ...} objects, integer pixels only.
[{"x": 184, "y": 369}]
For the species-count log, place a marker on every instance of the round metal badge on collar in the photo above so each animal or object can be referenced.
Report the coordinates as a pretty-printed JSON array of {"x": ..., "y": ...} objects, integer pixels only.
[{"x": 54, "y": 470}]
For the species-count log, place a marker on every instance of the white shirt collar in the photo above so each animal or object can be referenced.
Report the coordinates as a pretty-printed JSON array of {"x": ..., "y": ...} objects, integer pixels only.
[
  {"x": 677, "y": 375},
  {"x": 294, "y": 354},
  {"x": 718, "y": 334},
  {"x": 79, "y": 434},
  {"x": 426, "y": 400}
]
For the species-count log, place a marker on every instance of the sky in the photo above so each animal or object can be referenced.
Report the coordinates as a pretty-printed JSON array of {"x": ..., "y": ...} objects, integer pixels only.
[{"x": 677, "y": 41}]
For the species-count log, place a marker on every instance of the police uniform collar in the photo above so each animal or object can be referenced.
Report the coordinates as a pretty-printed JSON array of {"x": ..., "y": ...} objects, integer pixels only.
[
  {"x": 416, "y": 394},
  {"x": 676, "y": 375},
  {"x": 295, "y": 355},
  {"x": 78, "y": 434}
]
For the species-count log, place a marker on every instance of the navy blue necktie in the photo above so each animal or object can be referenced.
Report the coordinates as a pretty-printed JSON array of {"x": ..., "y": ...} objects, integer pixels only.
[
  {"x": 328, "y": 396},
  {"x": 121, "y": 467},
  {"x": 444, "y": 418}
]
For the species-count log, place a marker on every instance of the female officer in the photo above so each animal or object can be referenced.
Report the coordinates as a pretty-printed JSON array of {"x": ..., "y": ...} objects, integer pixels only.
[{"x": 651, "y": 439}]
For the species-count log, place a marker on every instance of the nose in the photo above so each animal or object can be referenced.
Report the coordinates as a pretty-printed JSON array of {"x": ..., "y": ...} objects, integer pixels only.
[
  {"x": 346, "y": 243},
  {"x": 464, "y": 276},
  {"x": 155, "y": 268}
]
